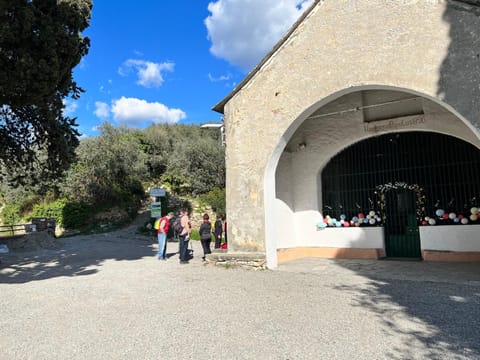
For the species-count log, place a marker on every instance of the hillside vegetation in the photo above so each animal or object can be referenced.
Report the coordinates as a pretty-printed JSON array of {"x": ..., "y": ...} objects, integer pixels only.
[{"x": 113, "y": 172}]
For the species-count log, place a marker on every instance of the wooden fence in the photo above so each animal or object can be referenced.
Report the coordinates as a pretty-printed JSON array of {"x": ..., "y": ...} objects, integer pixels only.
[{"x": 37, "y": 224}]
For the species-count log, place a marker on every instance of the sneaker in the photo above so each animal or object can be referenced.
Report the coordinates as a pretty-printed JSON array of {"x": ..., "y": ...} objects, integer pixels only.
[{"x": 183, "y": 261}]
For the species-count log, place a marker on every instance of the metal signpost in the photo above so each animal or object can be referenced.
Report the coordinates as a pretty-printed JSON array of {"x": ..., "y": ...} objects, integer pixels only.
[{"x": 156, "y": 206}]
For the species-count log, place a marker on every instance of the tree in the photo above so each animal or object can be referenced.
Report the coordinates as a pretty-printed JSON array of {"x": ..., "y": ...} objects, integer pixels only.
[
  {"x": 40, "y": 44},
  {"x": 109, "y": 167}
]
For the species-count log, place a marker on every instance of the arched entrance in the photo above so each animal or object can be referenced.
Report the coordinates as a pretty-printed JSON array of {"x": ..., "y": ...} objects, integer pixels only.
[{"x": 368, "y": 120}]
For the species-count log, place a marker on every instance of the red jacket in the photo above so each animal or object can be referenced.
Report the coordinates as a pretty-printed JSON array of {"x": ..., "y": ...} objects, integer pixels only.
[{"x": 166, "y": 227}]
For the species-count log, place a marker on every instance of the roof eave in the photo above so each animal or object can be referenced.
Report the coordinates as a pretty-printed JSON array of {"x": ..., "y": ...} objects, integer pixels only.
[{"x": 220, "y": 106}]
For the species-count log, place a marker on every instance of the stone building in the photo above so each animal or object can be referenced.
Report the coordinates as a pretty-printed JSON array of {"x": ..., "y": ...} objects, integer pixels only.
[{"x": 358, "y": 135}]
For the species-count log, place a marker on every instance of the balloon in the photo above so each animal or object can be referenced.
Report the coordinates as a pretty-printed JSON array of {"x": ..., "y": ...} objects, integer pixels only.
[
  {"x": 372, "y": 221},
  {"x": 474, "y": 217},
  {"x": 460, "y": 216},
  {"x": 452, "y": 216},
  {"x": 456, "y": 220},
  {"x": 424, "y": 222},
  {"x": 346, "y": 224},
  {"x": 355, "y": 219},
  {"x": 361, "y": 216},
  {"x": 445, "y": 216},
  {"x": 432, "y": 221},
  {"x": 474, "y": 210},
  {"x": 322, "y": 225},
  {"x": 343, "y": 216},
  {"x": 464, "y": 221},
  {"x": 439, "y": 212},
  {"x": 338, "y": 224},
  {"x": 427, "y": 218},
  {"x": 371, "y": 213}
]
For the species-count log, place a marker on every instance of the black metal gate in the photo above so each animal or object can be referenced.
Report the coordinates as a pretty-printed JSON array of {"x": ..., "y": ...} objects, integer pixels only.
[{"x": 406, "y": 178}]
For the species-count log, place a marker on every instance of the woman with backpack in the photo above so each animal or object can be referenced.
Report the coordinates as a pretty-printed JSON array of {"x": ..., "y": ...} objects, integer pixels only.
[
  {"x": 163, "y": 226},
  {"x": 206, "y": 235}
]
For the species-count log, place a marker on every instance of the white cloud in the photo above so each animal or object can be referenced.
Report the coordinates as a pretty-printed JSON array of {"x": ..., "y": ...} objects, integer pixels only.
[
  {"x": 132, "y": 111},
  {"x": 243, "y": 31},
  {"x": 149, "y": 73},
  {"x": 102, "y": 110},
  {"x": 69, "y": 107},
  {"x": 220, "y": 78}
]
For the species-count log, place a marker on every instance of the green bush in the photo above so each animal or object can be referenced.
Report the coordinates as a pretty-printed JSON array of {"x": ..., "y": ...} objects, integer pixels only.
[
  {"x": 77, "y": 215},
  {"x": 69, "y": 215},
  {"x": 216, "y": 199},
  {"x": 52, "y": 209},
  {"x": 11, "y": 214}
]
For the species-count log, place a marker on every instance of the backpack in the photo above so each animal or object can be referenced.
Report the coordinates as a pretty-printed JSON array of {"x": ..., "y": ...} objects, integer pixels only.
[
  {"x": 156, "y": 226},
  {"x": 177, "y": 225}
]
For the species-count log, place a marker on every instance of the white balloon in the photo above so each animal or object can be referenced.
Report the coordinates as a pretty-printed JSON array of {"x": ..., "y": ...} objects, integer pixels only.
[
  {"x": 432, "y": 221},
  {"x": 464, "y": 221}
]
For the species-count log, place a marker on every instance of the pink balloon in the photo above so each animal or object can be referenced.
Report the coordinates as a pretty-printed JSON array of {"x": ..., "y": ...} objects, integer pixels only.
[
  {"x": 361, "y": 216},
  {"x": 346, "y": 224}
]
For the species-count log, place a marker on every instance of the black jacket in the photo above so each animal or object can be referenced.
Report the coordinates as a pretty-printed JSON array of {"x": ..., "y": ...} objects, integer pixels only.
[{"x": 205, "y": 230}]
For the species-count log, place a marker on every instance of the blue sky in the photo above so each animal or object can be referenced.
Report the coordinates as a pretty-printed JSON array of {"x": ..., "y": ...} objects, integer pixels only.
[{"x": 166, "y": 61}]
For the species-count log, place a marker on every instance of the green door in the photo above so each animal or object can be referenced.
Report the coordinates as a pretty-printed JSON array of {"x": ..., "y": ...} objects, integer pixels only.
[{"x": 402, "y": 238}]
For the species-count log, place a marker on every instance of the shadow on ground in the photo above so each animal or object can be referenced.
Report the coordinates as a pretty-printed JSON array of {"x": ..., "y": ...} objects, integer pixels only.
[
  {"x": 77, "y": 256},
  {"x": 441, "y": 315},
  {"x": 71, "y": 259}
]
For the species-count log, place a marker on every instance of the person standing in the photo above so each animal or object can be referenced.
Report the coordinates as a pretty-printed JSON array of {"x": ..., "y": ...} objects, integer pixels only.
[
  {"x": 184, "y": 236},
  {"x": 205, "y": 235},
  {"x": 217, "y": 231},
  {"x": 162, "y": 236}
]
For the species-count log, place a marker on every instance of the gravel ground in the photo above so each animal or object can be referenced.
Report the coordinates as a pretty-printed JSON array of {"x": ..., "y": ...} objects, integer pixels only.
[{"x": 108, "y": 297}]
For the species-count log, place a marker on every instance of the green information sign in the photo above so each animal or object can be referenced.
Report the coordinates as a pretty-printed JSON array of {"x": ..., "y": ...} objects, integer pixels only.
[{"x": 155, "y": 209}]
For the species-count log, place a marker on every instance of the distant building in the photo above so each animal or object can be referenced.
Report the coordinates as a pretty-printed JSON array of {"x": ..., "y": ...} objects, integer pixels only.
[{"x": 358, "y": 136}]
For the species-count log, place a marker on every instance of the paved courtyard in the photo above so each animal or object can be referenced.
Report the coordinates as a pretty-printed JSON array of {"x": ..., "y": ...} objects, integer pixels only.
[{"x": 108, "y": 297}]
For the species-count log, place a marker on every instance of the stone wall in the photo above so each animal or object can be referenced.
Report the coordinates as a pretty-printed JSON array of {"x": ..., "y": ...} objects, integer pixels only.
[{"x": 339, "y": 48}]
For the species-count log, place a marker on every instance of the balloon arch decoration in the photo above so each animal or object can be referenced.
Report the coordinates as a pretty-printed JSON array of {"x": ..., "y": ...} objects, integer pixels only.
[{"x": 381, "y": 191}]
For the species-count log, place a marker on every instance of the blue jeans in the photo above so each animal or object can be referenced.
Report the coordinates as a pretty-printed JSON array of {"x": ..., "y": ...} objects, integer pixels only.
[
  {"x": 162, "y": 245},
  {"x": 183, "y": 247}
]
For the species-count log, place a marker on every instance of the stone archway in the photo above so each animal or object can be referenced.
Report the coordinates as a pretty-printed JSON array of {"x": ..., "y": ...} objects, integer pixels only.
[{"x": 298, "y": 207}]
